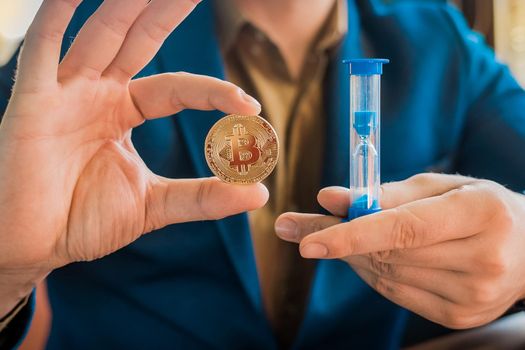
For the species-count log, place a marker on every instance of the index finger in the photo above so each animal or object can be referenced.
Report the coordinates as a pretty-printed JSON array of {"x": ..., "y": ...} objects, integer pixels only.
[
  {"x": 147, "y": 34},
  {"x": 456, "y": 214},
  {"x": 337, "y": 199}
]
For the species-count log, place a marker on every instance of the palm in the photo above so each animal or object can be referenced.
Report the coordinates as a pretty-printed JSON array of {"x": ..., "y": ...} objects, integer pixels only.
[{"x": 72, "y": 185}]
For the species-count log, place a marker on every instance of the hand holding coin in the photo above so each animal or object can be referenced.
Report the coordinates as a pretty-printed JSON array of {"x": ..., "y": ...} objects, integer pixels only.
[
  {"x": 242, "y": 149},
  {"x": 66, "y": 154}
]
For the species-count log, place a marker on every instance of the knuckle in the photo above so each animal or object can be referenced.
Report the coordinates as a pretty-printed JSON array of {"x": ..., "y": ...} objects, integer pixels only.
[
  {"x": 176, "y": 100},
  {"x": 484, "y": 294},
  {"x": 383, "y": 187},
  {"x": 458, "y": 317},
  {"x": 231, "y": 87},
  {"x": 454, "y": 318},
  {"x": 384, "y": 286},
  {"x": 350, "y": 242},
  {"x": 492, "y": 262},
  {"x": 487, "y": 184},
  {"x": 460, "y": 193},
  {"x": 422, "y": 179},
  {"x": 116, "y": 25},
  {"x": 314, "y": 226},
  {"x": 502, "y": 214},
  {"x": 155, "y": 208},
  {"x": 203, "y": 194},
  {"x": 383, "y": 269},
  {"x": 54, "y": 36},
  {"x": 506, "y": 221},
  {"x": 404, "y": 233},
  {"x": 388, "y": 200},
  {"x": 383, "y": 256},
  {"x": 231, "y": 90},
  {"x": 491, "y": 191},
  {"x": 222, "y": 92},
  {"x": 496, "y": 263},
  {"x": 233, "y": 93},
  {"x": 492, "y": 195},
  {"x": 155, "y": 31}
]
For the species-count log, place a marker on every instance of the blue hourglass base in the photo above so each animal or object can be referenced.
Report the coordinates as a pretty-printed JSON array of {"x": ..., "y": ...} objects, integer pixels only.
[{"x": 360, "y": 208}]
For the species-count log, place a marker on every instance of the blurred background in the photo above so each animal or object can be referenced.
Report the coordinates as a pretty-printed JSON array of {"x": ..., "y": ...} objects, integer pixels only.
[
  {"x": 502, "y": 22},
  {"x": 15, "y": 17}
]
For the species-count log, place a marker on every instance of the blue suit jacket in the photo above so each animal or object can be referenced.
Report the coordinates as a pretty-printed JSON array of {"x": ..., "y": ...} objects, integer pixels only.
[{"x": 447, "y": 105}]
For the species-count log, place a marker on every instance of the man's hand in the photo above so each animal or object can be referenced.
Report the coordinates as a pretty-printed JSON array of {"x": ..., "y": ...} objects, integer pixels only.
[
  {"x": 449, "y": 248},
  {"x": 72, "y": 186}
]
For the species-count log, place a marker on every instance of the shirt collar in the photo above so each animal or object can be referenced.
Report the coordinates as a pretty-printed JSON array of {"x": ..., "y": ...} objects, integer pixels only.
[
  {"x": 337, "y": 27},
  {"x": 229, "y": 22}
]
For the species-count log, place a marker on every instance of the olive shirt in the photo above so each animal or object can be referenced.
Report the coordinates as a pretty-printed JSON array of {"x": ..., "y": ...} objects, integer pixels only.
[{"x": 295, "y": 108}]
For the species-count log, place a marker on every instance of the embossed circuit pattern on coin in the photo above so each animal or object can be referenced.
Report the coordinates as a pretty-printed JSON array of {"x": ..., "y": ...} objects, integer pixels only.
[{"x": 242, "y": 149}]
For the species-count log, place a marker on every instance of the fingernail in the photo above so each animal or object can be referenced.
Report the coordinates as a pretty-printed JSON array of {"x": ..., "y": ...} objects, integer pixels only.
[
  {"x": 335, "y": 189},
  {"x": 250, "y": 99},
  {"x": 286, "y": 229},
  {"x": 314, "y": 250}
]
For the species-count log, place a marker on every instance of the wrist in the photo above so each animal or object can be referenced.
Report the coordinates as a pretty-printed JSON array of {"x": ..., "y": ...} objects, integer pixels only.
[
  {"x": 9, "y": 316},
  {"x": 14, "y": 288},
  {"x": 10, "y": 299},
  {"x": 9, "y": 302},
  {"x": 521, "y": 299}
]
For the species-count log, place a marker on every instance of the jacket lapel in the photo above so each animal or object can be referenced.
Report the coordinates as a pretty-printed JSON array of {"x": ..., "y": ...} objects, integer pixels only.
[
  {"x": 336, "y": 167},
  {"x": 193, "y": 47}
]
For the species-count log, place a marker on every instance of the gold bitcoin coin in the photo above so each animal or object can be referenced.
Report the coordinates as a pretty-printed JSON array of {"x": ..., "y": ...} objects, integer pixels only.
[{"x": 242, "y": 149}]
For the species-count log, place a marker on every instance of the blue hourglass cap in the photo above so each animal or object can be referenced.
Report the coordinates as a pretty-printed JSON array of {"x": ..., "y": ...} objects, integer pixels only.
[{"x": 366, "y": 66}]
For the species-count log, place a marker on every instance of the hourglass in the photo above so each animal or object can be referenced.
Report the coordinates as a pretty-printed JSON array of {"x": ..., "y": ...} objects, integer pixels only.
[{"x": 365, "y": 118}]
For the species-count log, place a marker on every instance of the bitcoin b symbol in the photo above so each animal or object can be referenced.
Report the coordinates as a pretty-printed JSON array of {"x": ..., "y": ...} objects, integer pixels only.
[
  {"x": 244, "y": 149},
  {"x": 241, "y": 149}
]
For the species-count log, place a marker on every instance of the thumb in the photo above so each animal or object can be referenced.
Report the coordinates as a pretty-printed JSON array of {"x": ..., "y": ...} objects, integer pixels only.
[
  {"x": 176, "y": 201},
  {"x": 337, "y": 199}
]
